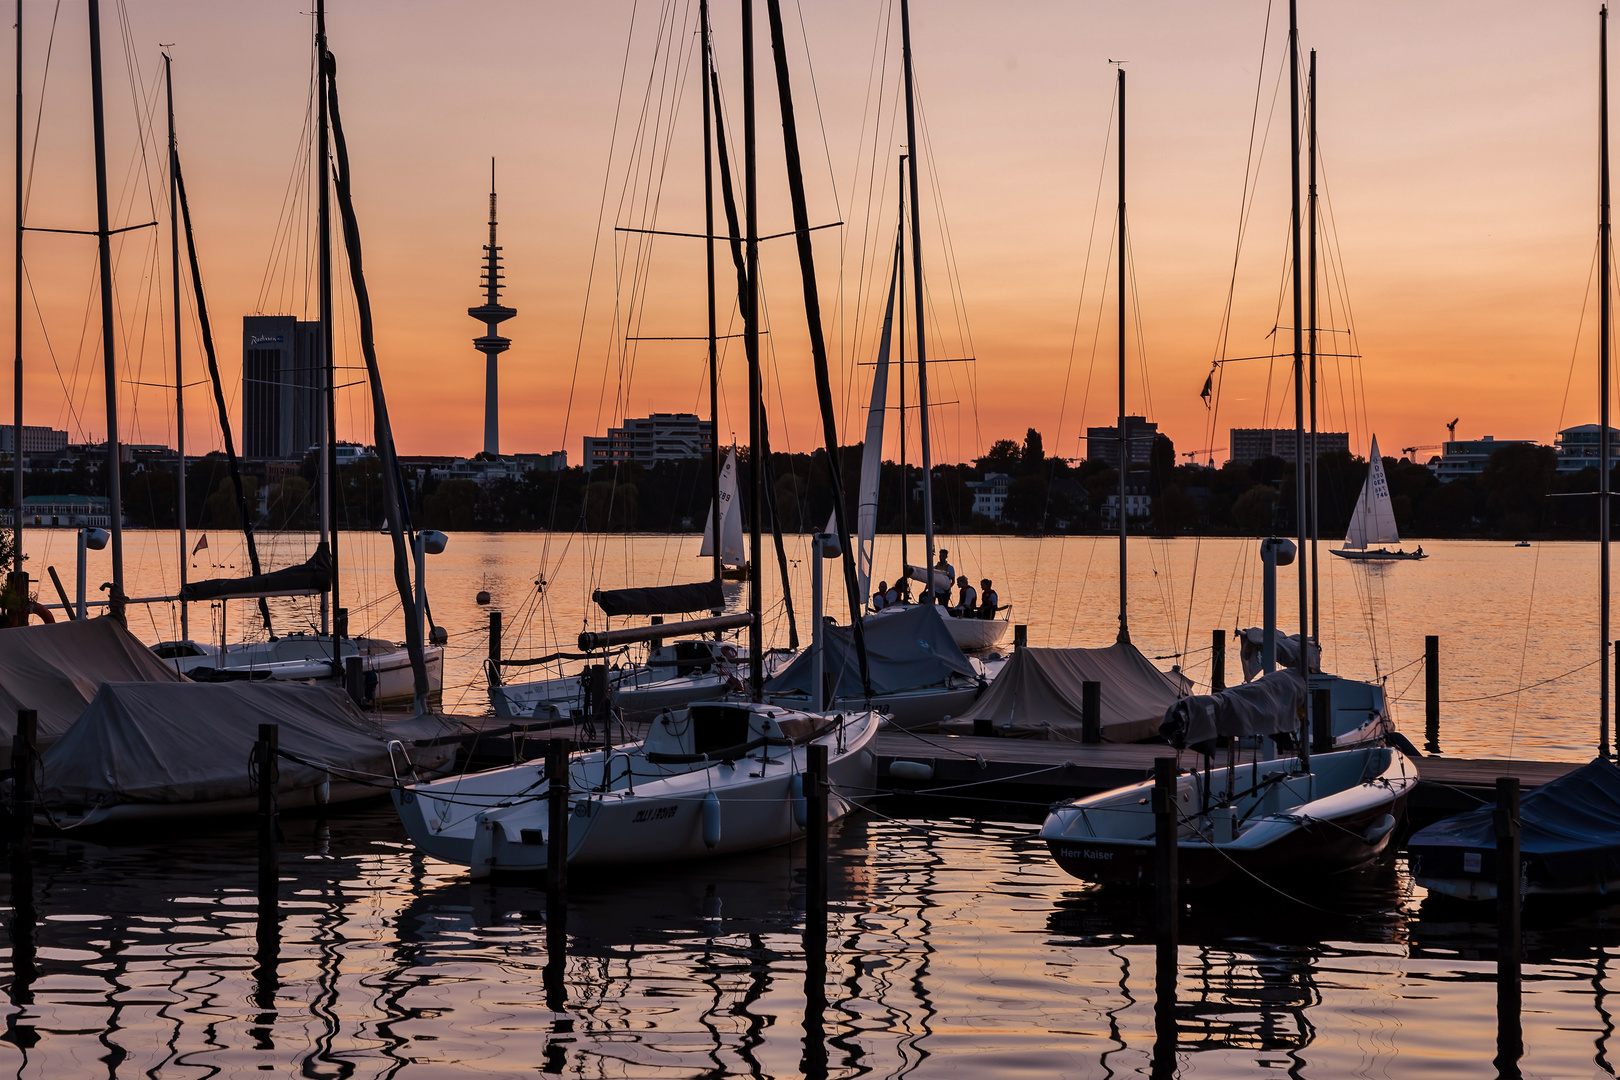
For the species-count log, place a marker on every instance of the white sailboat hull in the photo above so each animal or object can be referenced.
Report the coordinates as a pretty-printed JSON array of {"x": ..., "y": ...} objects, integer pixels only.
[
  {"x": 1376, "y": 555},
  {"x": 499, "y": 821}
]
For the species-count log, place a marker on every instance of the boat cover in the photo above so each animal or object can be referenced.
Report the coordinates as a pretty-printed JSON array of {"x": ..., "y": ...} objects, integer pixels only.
[
  {"x": 55, "y": 669},
  {"x": 1271, "y": 705},
  {"x": 906, "y": 651},
  {"x": 189, "y": 742},
  {"x": 1038, "y": 695},
  {"x": 661, "y": 599},
  {"x": 305, "y": 579},
  {"x": 1569, "y": 834},
  {"x": 1252, "y": 640}
]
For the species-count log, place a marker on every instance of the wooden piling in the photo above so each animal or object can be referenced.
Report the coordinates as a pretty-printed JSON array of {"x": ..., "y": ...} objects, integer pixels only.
[
  {"x": 1217, "y": 662},
  {"x": 1431, "y": 694},
  {"x": 1509, "y": 939},
  {"x": 1321, "y": 720},
  {"x": 1091, "y": 712},
  {"x": 557, "y": 834},
  {"x": 1020, "y": 635},
  {"x": 596, "y": 699},
  {"x": 266, "y": 770},
  {"x": 1165, "y": 868},
  {"x": 815, "y": 827},
  {"x": 340, "y": 623},
  {"x": 495, "y": 637},
  {"x": 22, "y": 786},
  {"x": 354, "y": 679}
]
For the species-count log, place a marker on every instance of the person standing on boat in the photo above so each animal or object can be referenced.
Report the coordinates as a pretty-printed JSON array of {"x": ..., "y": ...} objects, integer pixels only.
[
  {"x": 967, "y": 599},
  {"x": 943, "y": 567},
  {"x": 991, "y": 602}
]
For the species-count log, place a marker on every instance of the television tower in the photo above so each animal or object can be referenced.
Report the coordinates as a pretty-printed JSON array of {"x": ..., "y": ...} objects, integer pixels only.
[{"x": 492, "y": 314}]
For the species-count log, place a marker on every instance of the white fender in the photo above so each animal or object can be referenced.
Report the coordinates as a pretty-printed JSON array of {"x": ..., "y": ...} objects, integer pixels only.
[
  {"x": 711, "y": 821},
  {"x": 483, "y": 847},
  {"x": 911, "y": 770}
]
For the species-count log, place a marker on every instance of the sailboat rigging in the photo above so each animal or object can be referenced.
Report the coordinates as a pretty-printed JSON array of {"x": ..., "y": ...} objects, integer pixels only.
[{"x": 1374, "y": 520}]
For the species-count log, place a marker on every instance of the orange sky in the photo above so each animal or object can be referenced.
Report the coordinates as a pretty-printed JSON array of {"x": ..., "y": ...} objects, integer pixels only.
[{"x": 1459, "y": 142}]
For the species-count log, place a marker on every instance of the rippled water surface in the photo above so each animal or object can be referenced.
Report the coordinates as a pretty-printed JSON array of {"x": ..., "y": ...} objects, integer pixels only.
[{"x": 954, "y": 948}]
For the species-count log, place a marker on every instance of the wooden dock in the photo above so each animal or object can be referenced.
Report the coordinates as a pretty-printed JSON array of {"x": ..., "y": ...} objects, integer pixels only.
[{"x": 1029, "y": 771}]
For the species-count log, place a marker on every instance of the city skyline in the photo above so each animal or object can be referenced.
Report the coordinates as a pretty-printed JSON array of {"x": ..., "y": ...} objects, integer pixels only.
[{"x": 1432, "y": 124}]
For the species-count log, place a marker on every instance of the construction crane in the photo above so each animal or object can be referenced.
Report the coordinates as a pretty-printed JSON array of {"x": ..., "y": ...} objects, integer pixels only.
[
  {"x": 1451, "y": 431},
  {"x": 1190, "y": 454}
]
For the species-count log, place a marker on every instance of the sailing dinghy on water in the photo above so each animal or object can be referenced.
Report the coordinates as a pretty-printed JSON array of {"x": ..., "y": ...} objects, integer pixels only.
[
  {"x": 1374, "y": 520},
  {"x": 733, "y": 553}
]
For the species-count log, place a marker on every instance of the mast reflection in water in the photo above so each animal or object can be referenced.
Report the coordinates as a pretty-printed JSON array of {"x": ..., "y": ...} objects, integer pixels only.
[{"x": 949, "y": 948}]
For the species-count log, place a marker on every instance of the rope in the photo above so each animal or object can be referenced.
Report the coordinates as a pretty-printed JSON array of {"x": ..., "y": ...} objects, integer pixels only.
[{"x": 1519, "y": 690}]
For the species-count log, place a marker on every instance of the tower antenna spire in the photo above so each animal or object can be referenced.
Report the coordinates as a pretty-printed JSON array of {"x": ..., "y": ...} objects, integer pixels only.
[{"x": 492, "y": 313}]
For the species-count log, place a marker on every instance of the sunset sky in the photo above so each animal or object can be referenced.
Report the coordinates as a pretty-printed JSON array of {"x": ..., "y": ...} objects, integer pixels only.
[{"x": 1459, "y": 142}]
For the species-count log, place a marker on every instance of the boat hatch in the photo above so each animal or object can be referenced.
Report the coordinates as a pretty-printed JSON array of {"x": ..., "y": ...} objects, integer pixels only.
[{"x": 719, "y": 727}]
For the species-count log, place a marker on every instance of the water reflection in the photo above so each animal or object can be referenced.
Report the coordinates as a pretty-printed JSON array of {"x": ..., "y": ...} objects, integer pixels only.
[{"x": 952, "y": 948}]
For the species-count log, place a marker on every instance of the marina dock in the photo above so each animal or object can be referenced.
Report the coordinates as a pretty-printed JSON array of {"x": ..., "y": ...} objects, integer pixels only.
[{"x": 977, "y": 768}]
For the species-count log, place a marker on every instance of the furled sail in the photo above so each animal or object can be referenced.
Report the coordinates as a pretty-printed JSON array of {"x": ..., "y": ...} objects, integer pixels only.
[
  {"x": 305, "y": 579},
  {"x": 660, "y": 599},
  {"x": 872, "y": 454},
  {"x": 1374, "y": 519},
  {"x": 732, "y": 552}
]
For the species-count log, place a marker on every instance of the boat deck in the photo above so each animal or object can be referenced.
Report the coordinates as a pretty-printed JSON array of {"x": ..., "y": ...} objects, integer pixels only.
[{"x": 1029, "y": 770}]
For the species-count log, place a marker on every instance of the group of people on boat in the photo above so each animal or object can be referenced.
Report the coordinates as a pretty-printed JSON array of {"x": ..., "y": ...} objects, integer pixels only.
[{"x": 971, "y": 603}]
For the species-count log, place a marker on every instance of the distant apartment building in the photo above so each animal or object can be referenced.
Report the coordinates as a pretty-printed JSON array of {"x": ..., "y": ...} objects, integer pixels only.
[
  {"x": 283, "y": 372},
  {"x": 990, "y": 495},
  {"x": 1102, "y": 443},
  {"x": 35, "y": 439},
  {"x": 1577, "y": 447},
  {"x": 648, "y": 440},
  {"x": 1467, "y": 457},
  {"x": 1249, "y": 445}
]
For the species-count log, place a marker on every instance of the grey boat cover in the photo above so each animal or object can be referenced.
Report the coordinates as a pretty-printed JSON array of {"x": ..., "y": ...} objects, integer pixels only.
[
  {"x": 1252, "y": 640},
  {"x": 306, "y": 579},
  {"x": 1270, "y": 705},
  {"x": 1037, "y": 695},
  {"x": 55, "y": 669},
  {"x": 907, "y": 650},
  {"x": 661, "y": 599},
  {"x": 189, "y": 742}
]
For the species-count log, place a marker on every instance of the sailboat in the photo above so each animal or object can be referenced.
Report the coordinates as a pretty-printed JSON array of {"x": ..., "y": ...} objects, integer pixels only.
[
  {"x": 1374, "y": 520},
  {"x": 733, "y": 556}
]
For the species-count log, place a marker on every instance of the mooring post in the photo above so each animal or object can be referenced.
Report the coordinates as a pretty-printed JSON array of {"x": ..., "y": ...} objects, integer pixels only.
[
  {"x": 1431, "y": 694},
  {"x": 1217, "y": 662},
  {"x": 815, "y": 847},
  {"x": 495, "y": 637},
  {"x": 1091, "y": 712},
  {"x": 1020, "y": 635},
  {"x": 22, "y": 789},
  {"x": 354, "y": 679},
  {"x": 340, "y": 623},
  {"x": 266, "y": 772},
  {"x": 1165, "y": 869},
  {"x": 1321, "y": 720},
  {"x": 557, "y": 752},
  {"x": 1508, "y": 938}
]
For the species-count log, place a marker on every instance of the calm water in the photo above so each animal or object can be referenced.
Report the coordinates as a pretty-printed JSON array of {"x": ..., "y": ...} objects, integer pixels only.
[{"x": 954, "y": 946}]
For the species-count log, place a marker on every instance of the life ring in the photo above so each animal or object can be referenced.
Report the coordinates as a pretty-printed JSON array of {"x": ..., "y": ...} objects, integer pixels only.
[
  {"x": 728, "y": 652},
  {"x": 37, "y": 608}
]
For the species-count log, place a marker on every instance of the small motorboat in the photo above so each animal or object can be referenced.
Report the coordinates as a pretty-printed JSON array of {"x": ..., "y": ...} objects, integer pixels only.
[
  {"x": 1569, "y": 841},
  {"x": 1268, "y": 820},
  {"x": 1522, "y": 543},
  {"x": 710, "y": 780}
]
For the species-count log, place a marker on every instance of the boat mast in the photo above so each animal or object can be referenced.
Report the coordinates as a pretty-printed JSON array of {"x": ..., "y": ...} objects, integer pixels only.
[
  {"x": 1603, "y": 380},
  {"x": 756, "y": 467},
  {"x": 17, "y": 311},
  {"x": 1299, "y": 378},
  {"x": 1124, "y": 439},
  {"x": 179, "y": 373},
  {"x": 900, "y": 335},
  {"x": 917, "y": 291},
  {"x": 1315, "y": 503},
  {"x": 708, "y": 229},
  {"x": 323, "y": 229},
  {"x": 109, "y": 355}
]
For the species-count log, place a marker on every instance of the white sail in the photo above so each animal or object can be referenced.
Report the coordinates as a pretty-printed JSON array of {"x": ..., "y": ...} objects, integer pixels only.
[
  {"x": 872, "y": 454},
  {"x": 731, "y": 527},
  {"x": 1374, "y": 519}
]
